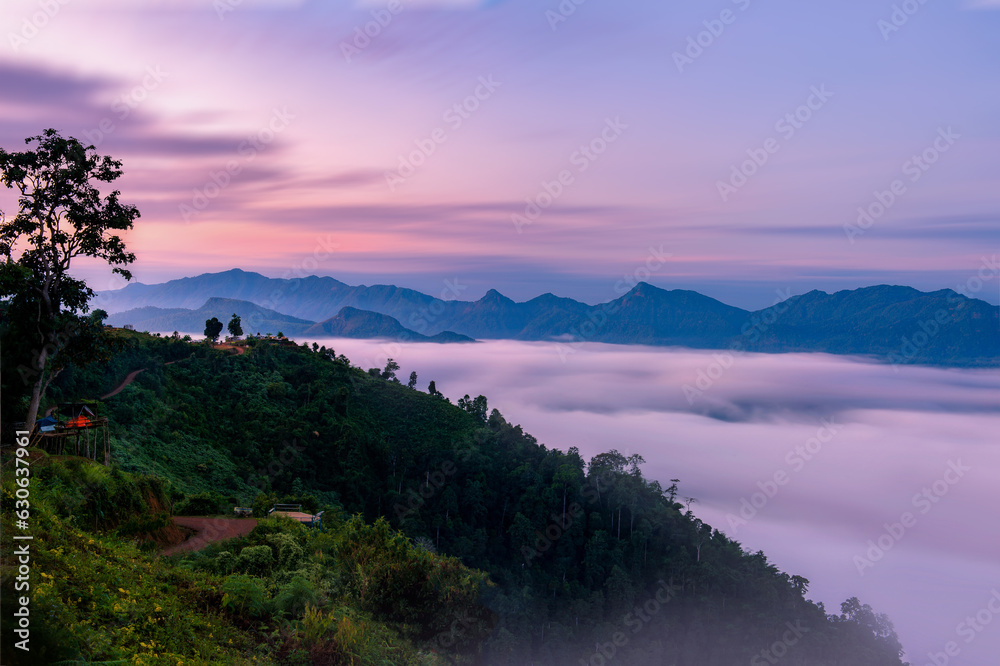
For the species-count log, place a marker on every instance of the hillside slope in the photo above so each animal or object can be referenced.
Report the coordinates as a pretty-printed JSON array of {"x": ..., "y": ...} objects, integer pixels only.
[{"x": 572, "y": 546}]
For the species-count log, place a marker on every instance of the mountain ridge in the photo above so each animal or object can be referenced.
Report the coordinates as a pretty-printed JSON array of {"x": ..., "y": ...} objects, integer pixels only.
[
  {"x": 363, "y": 324},
  {"x": 890, "y": 322}
]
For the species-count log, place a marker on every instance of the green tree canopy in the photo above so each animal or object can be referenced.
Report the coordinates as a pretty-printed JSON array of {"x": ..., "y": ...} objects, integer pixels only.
[
  {"x": 389, "y": 373},
  {"x": 61, "y": 215},
  {"x": 213, "y": 327},
  {"x": 235, "y": 326}
]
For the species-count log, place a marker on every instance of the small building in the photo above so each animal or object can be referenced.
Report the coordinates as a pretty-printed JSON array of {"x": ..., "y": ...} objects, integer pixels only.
[{"x": 77, "y": 422}]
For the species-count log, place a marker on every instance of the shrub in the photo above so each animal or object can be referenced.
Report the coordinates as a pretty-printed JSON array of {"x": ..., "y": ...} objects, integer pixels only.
[
  {"x": 244, "y": 595},
  {"x": 202, "y": 504},
  {"x": 226, "y": 562},
  {"x": 289, "y": 552},
  {"x": 295, "y": 596},
  {"x": 257, "y": 560}
]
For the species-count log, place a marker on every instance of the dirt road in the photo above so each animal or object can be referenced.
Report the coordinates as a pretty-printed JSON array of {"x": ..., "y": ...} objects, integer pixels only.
[
  {"x": 210, "y": 530},
  {"x": 121, "y": 387}
]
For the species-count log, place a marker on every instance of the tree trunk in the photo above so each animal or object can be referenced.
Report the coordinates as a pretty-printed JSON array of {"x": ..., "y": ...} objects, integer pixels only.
[
  {"x": 564, "y": 509},
  {"x": 36, "y": 391},
  {"x": 503, "y": 515},
  {"x": 44, "y": 313}
]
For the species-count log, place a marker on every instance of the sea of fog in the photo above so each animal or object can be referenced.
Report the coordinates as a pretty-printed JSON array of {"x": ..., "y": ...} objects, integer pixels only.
[{"x": 869, "y": 480}]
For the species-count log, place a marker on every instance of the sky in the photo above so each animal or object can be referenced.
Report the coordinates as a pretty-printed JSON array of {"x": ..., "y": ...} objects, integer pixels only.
[
  {"x": 530, "y": 146},
  {"x": 853, "y": 446}
]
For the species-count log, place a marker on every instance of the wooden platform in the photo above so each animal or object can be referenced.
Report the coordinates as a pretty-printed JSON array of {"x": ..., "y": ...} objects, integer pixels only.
[{"x": 54, "y": 442}]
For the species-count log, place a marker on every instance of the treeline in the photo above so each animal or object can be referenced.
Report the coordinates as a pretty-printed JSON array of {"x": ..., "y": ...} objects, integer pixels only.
[{"x": 592, "y": 562}]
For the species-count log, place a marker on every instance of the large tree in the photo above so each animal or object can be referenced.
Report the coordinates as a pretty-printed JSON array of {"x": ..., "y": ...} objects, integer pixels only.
[
  {"x": 213, "y": 327},
  {"x": 236, "y": 327},
  {"x": 61, "y": 215}
]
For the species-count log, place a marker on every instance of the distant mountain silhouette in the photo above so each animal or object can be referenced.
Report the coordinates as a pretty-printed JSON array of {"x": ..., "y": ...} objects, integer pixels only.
[
  {"x": 893, "y": 323},
  {"x": 253, "y": 318},
  {"x": 902, "y": 323},
  {"x": 353, "y": 323},
  {"x": 348, "y": 323}
]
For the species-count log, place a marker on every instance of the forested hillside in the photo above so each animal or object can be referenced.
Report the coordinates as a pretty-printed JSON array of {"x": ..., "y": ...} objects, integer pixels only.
[{"x": 589, "y": 561}]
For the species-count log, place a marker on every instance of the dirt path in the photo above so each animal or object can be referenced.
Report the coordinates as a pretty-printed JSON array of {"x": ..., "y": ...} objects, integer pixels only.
[
  {"x": 129, "y": 378},
  {"x": 239, "y": 349},
  {"x": 210, "y": 530}
]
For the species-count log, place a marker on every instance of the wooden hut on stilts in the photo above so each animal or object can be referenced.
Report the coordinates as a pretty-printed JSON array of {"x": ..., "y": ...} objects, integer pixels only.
[{"x": 80, "y": 424}]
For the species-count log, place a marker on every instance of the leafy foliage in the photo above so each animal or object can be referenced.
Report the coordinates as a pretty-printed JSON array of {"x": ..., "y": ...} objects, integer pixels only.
[
  {"x": 213, "y": 327},
  {"x": 571, "y": 547},
  {"x": 61, "y": 215}
]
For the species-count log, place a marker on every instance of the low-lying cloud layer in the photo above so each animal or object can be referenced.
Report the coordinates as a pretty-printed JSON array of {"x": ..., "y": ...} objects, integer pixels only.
[{"x": 857, "y": 446}]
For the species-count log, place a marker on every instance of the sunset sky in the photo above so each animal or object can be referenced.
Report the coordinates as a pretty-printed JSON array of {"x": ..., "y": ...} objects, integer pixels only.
[{"x": 276, "y": 136}]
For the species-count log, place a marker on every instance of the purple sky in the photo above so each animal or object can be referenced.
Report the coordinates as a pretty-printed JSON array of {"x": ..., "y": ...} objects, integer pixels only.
[{"x": 311, "y": 118}]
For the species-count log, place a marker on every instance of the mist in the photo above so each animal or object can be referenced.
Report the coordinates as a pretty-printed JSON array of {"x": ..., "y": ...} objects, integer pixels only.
[{"x": 869, "y": 479}]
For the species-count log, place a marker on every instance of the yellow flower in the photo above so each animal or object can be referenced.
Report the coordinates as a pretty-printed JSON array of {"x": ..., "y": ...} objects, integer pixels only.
[{"x": 122, "y": 591}]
